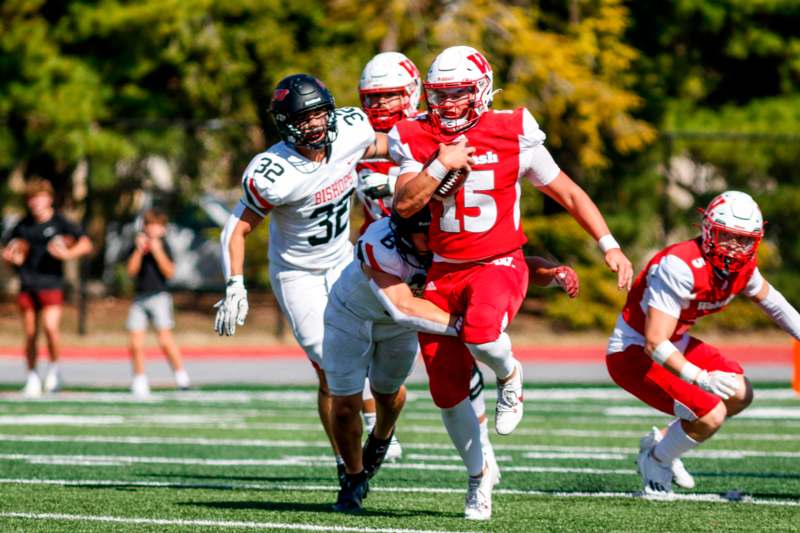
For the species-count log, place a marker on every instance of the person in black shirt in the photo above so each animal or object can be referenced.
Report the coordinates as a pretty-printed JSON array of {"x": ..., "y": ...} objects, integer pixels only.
[
  {"x": 38, "y": 246},
  {"x": 150, "y": 262}
]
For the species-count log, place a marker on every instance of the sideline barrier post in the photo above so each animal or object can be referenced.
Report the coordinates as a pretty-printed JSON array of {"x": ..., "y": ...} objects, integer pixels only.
[{"x": 796, "y": 365}]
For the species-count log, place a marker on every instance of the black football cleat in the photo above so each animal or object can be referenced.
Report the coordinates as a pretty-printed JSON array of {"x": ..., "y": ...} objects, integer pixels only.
[
  {"x": 373, "y": 454},
  {"x": 351, "y": 496},
  {"x": 341, "y": 473}
]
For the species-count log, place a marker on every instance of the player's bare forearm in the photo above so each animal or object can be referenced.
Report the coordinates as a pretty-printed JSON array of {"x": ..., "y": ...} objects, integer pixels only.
[
  {"x": 659, "y": 327},
  {"x": 578, "y": 204},
  {"x": 240, "y": 223},
  {"x": 413, "y": 191},
  {"x": 541, "y": 270},
  {"x": 379, "y": 147}
]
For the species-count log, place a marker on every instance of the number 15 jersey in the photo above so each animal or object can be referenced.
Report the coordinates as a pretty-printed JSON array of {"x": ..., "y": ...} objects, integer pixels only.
[
  {"x": 482, "y": 219},
  {"x": 308, "y": 202}
]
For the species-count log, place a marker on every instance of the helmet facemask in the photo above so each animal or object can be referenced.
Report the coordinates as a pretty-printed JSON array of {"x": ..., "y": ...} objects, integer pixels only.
[
  {"x": 732, "y": 229},
  {"x": 316, "y": 138},
  {"x": 381, "y": 116},
  {"x": 444, "y": 103},
  {"x": 727, "y": 249},
  {"x": 411, "y": 237}
]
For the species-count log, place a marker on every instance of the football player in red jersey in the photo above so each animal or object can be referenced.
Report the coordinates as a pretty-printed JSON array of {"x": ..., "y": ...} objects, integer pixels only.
[
  {"x": 390, "y": 89},
  {"x": 479, "y": 270},
  {"x": 652, "y": 355}
]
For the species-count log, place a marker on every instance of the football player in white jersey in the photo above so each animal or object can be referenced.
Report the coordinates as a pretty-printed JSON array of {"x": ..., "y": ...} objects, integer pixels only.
[
  {"x": 371, "y": 324},
  {"x": 304, "y": 183}
]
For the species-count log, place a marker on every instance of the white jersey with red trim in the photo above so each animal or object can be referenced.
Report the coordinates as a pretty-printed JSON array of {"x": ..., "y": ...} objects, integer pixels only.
[
  {"x": 376, "y": 249},
  {"x": 482, "y": 219},
  {"x": 309, "y": 202}
]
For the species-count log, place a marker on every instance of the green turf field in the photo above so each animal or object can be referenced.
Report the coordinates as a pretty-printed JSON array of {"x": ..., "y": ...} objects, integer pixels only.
[{"x": 256, "y": 458}]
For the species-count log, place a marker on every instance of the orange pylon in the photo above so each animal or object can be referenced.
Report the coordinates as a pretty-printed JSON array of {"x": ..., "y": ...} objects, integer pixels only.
[{"x": 796, "y": 364}]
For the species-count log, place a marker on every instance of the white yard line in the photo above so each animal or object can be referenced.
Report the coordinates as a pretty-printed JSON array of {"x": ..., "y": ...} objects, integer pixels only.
[
  {"x": 549, "y": 394},
  {"x": 532, "y": 451},
  {"x": 703, "y": 497},
  {"x": 778, "y": 413},
  {"x": 60, "y": 517}
]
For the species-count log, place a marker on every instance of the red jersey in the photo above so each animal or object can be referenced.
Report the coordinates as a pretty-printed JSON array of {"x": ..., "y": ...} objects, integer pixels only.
[
  {"x": 482, "y": 219},
  {"x": 679, "y": 274}
]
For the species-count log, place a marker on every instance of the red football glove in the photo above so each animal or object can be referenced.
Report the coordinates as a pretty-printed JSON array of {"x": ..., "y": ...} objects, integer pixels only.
[{"x": 566, "y": 278}]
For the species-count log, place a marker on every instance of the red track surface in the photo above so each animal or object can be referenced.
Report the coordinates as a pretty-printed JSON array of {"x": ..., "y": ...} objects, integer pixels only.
[{"x": 744, "y": 353}]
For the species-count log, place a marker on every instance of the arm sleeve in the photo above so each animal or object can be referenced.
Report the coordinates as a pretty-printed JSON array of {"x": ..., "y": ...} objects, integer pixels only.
[
  {"x": 669, "y": 286},
  {"x": 535, "y": 161},
  {"x": 781, "y": 312},
  {"x": 409, "y": 321},
  {"x": 225, "y": 237},
  {"x": 400, "y": 153},
  {"x": 754, "y": 284}
]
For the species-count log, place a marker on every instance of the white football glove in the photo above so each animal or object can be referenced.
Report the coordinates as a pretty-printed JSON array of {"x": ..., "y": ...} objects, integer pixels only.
[
  {"x": 375, "y": 185},
  {"x": 717, "y": 382},
  {"x": 231, "y": 310}
]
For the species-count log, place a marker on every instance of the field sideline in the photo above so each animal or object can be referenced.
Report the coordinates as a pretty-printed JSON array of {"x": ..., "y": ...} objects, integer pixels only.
[{"x": 255, "y": 458}]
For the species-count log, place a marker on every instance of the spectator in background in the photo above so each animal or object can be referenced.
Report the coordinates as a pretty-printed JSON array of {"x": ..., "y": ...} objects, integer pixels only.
[
  {"x": 150, "y": 263},
  {"x": 37, "y": 247}
]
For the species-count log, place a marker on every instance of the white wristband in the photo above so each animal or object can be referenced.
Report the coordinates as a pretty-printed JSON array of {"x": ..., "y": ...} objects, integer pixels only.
[
  {"x": 607, "y": 242},
  {"x": 662, "y": 352},
  {"x": 436, "y": 170},
  {"x": 689, "y": 372}
]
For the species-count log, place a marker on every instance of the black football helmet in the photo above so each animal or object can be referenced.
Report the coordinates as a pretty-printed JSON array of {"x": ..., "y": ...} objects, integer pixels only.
[
  {"x": 294, "y": 97},
  {"x": 403, "y": 228}
]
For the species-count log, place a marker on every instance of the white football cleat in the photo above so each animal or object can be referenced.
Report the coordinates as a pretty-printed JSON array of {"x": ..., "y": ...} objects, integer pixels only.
[
  {"x": 478, "y": 504},
  {"x": 680, "y": 475},
  {"x": 140, "y": 388},
  {"x": 508, "y": 413},
  {"x": 656, "y": 477},
  {"x": 395, "y": 451},
  {"x": 33, "y": 386},
  {"x": 52, "y": 382}
]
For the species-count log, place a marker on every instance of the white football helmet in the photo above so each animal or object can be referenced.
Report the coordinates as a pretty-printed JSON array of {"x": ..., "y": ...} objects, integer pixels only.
[
  {"x": 732, "y": 229},
  {"x": 458, "y": 68},
  {"x": 386, "y": 73}
]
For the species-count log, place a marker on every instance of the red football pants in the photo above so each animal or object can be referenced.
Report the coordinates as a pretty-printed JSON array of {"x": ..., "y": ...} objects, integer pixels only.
[
  {"x": 488, "y": 295},
  {"x": 637, "y": 373}
]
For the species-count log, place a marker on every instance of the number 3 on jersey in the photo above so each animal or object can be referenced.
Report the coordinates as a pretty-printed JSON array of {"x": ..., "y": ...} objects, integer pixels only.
[
  {"x": 475, "y": 196},
  {"x": 334, "y": 218}
]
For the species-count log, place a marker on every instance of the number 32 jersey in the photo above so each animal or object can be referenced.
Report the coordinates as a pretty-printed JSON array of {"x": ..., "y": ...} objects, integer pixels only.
[
  {"x": 309, "y": 202},
  {"x": 482, "y": 219}
]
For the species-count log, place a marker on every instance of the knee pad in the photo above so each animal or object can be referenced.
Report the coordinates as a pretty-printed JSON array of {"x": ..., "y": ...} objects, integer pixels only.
[{"x": 495, "y": 354}]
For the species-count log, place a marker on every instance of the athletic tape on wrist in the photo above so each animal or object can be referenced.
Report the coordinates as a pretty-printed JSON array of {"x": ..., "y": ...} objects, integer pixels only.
[
  {"x": 689, "y": 372},
  {"x": 662, "y": 352},
  {"x": 607, "y": 242},
  {"x": 436, "y": 170},
  {"x": 238, "y": 279}
]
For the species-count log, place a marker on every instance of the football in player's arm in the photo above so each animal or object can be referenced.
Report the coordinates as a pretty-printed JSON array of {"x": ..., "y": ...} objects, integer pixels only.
[{"x": 651, "y": 355}]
